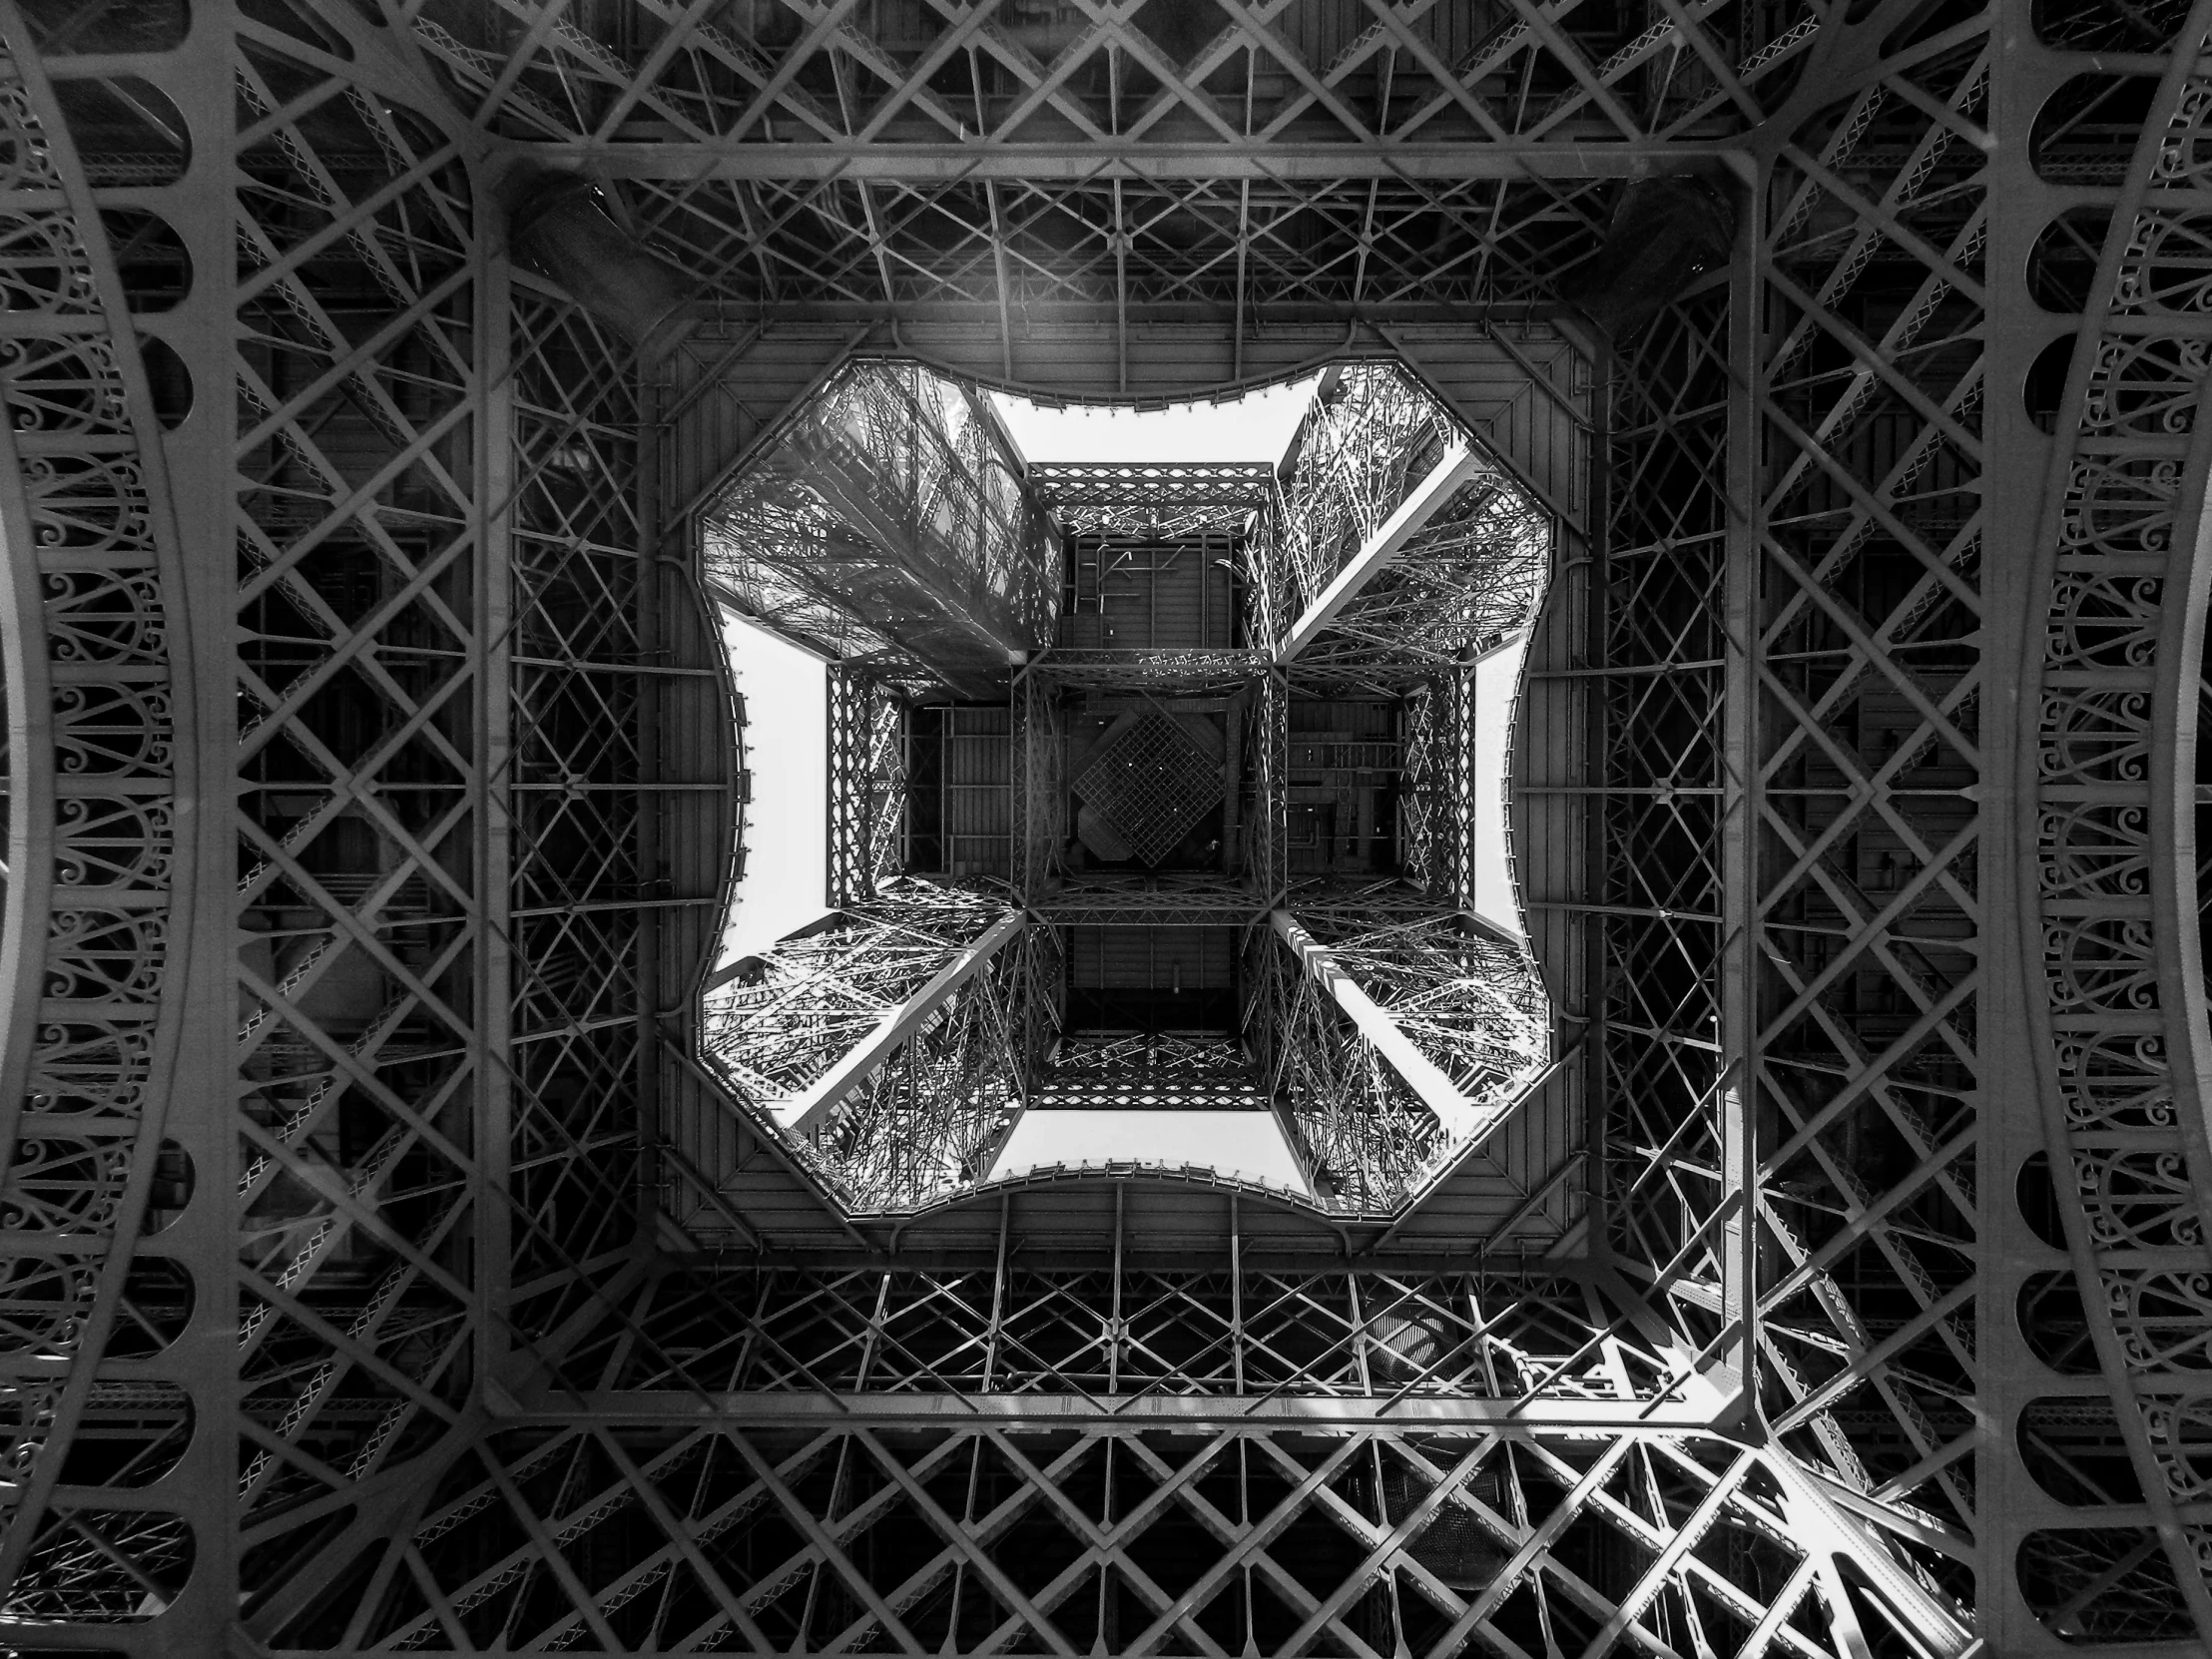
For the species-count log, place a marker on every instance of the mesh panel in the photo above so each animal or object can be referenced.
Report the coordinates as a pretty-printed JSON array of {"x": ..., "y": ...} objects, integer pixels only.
[{"x": 1153, "y": 784}]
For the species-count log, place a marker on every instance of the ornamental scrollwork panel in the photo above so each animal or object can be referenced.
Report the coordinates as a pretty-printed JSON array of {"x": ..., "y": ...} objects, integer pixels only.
[
  {"x": 109, "y": 617},
  {"x": 2139, "y": 1197},
  {"x": 121, "y": 841},
  {"x": 2180, "y": 1430},
  {"x": 112, "y": 729},
  {"x": 2145, "y": 389},
  {"x": 91, "y": 637},
  {"x": 2115, "y": 1079},
  {"x": 2100, "y": 620},
  {"x": 2095, "y": 734},
  {"x": 84, "y": 505},
  {"x": 2124, "y": 498},
  {"x": 2093, "y": 850},
  {"x": 2120, "y": 506},
  {"x": 2101, "y": 965}
]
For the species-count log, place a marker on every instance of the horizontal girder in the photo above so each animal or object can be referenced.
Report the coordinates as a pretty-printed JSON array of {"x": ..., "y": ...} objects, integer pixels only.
[{"x": 1100, "y": 162}]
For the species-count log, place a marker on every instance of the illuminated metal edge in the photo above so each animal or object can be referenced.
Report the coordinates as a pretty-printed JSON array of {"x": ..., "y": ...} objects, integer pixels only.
[{"x": 1381, "y": 547}]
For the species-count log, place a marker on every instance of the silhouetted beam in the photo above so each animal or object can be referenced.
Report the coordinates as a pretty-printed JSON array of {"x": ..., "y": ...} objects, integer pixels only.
[
  {"x": 803, "y": 1110},
  {"x": 1378, "y": 552},
  {"x": 1458, "y": 1114}
]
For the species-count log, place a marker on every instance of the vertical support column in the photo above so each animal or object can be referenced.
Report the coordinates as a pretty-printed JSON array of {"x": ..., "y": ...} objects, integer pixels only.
[
  {"x": 1597, "y": 1071},
  {"x": 1025, "y": 856},
  {"x": 656, "y": 718},
  {"x": 1459, "y": 716},
  {"x": 1740, "y": 752},
  {"x": 865, "y": 780},
  {"x": 495, "y": 773},
  {"x": 838, "y": 808},
  {"x": 1270, "y": 857},
  {"x": 2017, "y": 457}
]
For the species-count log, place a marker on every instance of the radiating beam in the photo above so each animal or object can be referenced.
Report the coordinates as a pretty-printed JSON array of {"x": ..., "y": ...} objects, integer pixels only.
[
  {"x": 1376, "y": 553},
  {"x": 1460, "y": 1115},
  {"x": 800, "y": 1112}
]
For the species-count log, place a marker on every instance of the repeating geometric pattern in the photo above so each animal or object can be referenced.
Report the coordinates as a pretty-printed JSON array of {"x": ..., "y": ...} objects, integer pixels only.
[
  {"x": 98, "y": 1412},
  {"x": 1861, "y": 1039},
  {"x": 928, "y": 1118},
  {"x": 1472, "y": 1005},
  {"x": 867, "y": 794},
  {"x": 398, "y": 1346},
  {"x": 2119, "y": 678}
]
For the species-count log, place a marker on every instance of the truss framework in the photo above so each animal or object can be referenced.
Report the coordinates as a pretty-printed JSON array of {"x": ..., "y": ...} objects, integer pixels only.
[
  {"x": 353, "y": 1393},
  {"x": 1438, "y": 556},
  {"x": 1153, "y": 501}
]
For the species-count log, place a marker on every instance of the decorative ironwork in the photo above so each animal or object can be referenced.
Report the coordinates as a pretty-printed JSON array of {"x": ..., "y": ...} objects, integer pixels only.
[
  {"x": 2116, "y": 696},
  {"x": 1155, "y": 1072},
  {"x": 98, "y": 884},
  {"x": 1154, "y": 500},
  {"x": 362, "y": 809}
]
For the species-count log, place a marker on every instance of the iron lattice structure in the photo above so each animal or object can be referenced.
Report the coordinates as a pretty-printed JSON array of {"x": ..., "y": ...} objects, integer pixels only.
[
  {"x": 371, "y": 803},
  {"x": 1384, "y": 1044},
  {"x": 1113, "y": 499}
]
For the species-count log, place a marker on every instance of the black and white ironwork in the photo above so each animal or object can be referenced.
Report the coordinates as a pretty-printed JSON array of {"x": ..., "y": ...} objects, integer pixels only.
[{"x": 389, "y": 1268}]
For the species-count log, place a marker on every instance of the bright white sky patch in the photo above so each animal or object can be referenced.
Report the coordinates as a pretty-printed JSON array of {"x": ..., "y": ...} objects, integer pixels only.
[
  {"x": 786, "y": 744},
  {"x": 1255, "y": 427},
  {"x": 1248, "y": 1145},
  {"x": 1496, "y": 679}
]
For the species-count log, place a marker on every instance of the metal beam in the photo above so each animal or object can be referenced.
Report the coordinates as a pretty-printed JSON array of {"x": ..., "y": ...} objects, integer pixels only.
[
  {"x": 1378, "y": 552},
  {"x": 1105, "y": 161},
  {"x": 802, "y": 1111},
  {"x": 753, "y": 1409},
  {"x": 1460, "y": 1115}
]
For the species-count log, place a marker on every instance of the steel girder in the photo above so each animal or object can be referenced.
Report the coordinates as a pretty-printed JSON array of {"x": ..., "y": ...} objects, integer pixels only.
[
  {"x": 896, "y": 1046},
  {"x": 867, "y": 784},
  {"x": 1392, "y": 1041},
  {"x": 1815, "y": 592},
  {"x": 1114, "y": 499},
  {"x": 892, "y": 517}
]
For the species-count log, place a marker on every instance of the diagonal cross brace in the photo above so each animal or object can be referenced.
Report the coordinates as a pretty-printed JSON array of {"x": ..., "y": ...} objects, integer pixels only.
[
  {"x": 800, "y": 1112},
  {"x": 1459, "y": 466},
  {"x": 1460, "y": 1115}
]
